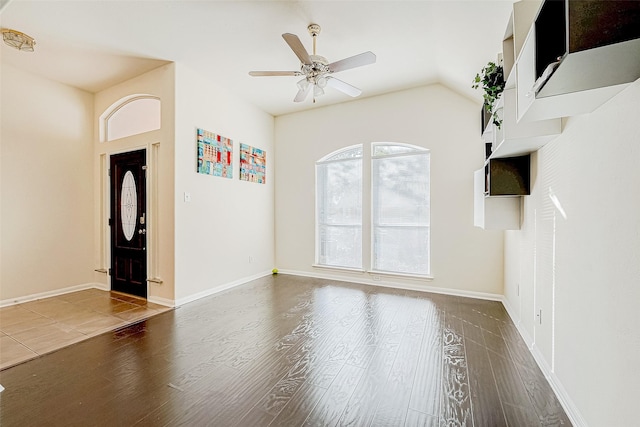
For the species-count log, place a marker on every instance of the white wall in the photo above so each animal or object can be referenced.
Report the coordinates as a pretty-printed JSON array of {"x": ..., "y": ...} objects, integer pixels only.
[
  {"x": 160, "y": 206},
  {"x": 227, "y": 220},
  {"x": 589, "y": 288},
  {"x": 46, "y": 185},
  {"x": 464, "y": 259}
]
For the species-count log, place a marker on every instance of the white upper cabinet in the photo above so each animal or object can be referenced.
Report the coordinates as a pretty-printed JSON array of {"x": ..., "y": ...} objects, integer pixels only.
[
  {"x": 494, "y": 213},
  {"x": 560, "y": 58},
  {"x": 514, "y": 138},
  {"x": 521, "y": 19},
  {"x": 576, "y": 56}
]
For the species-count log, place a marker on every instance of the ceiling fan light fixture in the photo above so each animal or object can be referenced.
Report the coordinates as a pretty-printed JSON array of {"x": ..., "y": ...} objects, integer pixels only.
[
  {"x": 317, "y": 91},
  {"x": 303, "y": 84},
  {"x": 18, "y": 40},
  {"x": 321, "y": 81}
]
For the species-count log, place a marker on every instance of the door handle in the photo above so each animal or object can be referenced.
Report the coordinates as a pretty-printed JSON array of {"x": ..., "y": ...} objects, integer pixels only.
[{"x": 142, "y": 231}]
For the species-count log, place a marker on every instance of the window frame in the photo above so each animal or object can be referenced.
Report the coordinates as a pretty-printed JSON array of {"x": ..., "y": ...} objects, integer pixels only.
[
  {"x": 331, "y": 159},
  {"x": 116, "y": 108},
  {"x": 415, "y": 151},
  {"x": 367, "y": 186}
]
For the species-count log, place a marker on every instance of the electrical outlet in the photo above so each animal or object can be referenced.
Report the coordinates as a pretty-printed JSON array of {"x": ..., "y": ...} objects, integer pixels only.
[
  {"x": 376, "y": 278},
  {"x": 250, "y": 259}
]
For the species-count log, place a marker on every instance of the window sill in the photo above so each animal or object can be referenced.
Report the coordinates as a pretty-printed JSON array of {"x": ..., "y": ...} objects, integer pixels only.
[
  {"x": 332, "y": 267},
  {"x": 404, "y": 275},
  {"x": 376, "y": 272}
]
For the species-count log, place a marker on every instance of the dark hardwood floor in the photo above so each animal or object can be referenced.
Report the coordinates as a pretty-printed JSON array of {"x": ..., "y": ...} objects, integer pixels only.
[{"x": 292, "y": 351}]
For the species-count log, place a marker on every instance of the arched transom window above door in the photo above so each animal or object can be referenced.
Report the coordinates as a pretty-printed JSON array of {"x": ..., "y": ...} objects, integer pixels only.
[{"x": 129, "y": 116}]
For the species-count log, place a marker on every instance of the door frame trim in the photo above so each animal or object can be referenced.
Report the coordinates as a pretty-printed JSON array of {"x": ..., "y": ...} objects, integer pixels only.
[{"x": 104, "y": 158}]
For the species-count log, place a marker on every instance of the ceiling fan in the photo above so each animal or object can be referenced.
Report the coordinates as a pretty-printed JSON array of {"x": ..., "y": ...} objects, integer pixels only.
[{"x": 317, "y": 71}]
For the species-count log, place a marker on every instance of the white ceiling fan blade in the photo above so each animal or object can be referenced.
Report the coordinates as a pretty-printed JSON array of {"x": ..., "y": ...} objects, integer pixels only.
[
  {"x": 274, "y": 73},
  {"x": 302, "y": 94},
  {"x": 296, "y": 45},
  {"x": 365, "y": 58},
  {"x": 343, "y": 87}
]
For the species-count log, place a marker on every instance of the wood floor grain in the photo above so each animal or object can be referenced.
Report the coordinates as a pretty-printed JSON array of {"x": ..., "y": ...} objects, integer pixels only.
[
  {"x": 293, "y": 351},
  {"x": 455, "y": 407}
]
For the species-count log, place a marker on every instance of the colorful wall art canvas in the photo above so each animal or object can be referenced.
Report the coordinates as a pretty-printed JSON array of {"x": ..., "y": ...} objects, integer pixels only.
[
  {"x": 253, "y": 164},
  {"x": 215, "y": 154}
]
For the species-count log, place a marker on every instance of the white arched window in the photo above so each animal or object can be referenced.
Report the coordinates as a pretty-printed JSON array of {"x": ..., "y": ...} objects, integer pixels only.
[
  {"x": 400, "y": 208},
  {"x": 131, "y": 116},
  {"x": 339, "y": 208}
]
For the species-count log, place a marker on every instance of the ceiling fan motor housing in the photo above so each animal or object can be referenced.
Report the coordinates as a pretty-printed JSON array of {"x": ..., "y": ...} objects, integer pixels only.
[
  {"x": 314, "y": 29},
  {"x": 318, "y": 68}
]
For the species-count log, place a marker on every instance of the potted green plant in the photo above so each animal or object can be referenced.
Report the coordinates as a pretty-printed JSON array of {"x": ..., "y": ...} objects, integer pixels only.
[{"x": 491, "y": 79}]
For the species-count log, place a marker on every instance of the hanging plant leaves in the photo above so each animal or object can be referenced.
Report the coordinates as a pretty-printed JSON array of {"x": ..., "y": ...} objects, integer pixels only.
[{"x": 491, "y": 80}]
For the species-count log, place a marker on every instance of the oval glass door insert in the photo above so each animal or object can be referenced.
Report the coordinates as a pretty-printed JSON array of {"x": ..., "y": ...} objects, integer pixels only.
[{"x": 128, "y": 205}]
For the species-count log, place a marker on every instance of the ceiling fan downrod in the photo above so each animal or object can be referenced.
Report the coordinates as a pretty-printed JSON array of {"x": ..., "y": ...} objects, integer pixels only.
[{"x": 314, "y": 30}]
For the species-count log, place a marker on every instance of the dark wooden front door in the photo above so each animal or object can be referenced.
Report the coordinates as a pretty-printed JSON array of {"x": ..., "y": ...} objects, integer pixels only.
[{"x": 128, "y": 223}]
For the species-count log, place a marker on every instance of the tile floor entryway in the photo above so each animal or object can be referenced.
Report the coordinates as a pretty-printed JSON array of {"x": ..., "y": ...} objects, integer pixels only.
[{"x": 34, "y": 328}]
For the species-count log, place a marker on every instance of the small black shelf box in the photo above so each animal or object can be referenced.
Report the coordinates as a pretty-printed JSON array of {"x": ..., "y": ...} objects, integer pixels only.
[
  {"x": 577, "y": 55},
  {"x": 508, "y": 176},
  {"x": 565, "y": 28}
]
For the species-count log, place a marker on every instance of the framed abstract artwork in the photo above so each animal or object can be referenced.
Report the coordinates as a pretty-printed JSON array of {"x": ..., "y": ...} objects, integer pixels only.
[
  {"x": 215, "y": 154},
  {"x": 253, "y": 164}
]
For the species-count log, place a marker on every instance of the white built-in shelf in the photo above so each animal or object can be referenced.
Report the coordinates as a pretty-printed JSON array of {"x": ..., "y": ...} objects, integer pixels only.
[
  {"x": 560, "y": 58},
  {"x": 577, "y": 55},
  {"x": 515, "y": 138},
  {"x": 494, "y": 213},
  {"x": 498, "y": 188},
  {"x": 520, "y": 21}
]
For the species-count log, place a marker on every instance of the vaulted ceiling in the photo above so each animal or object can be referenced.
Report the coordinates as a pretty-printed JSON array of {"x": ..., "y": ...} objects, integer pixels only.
[{"x": 95, "y": 44}]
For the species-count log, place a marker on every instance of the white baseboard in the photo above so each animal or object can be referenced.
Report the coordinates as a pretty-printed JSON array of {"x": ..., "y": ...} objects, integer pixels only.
[
  {"x": 220, "y": 288},
  {"x": 396, "y": 285},
  {"x": 101, "y": 286},
  {"x": 161, "y": 301},
  {"x": 153, "y": 299},
  {"x": 561, "y": 393},
  {"x": 516, "y": 321},
  {"x": 54, "y": 293}
]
